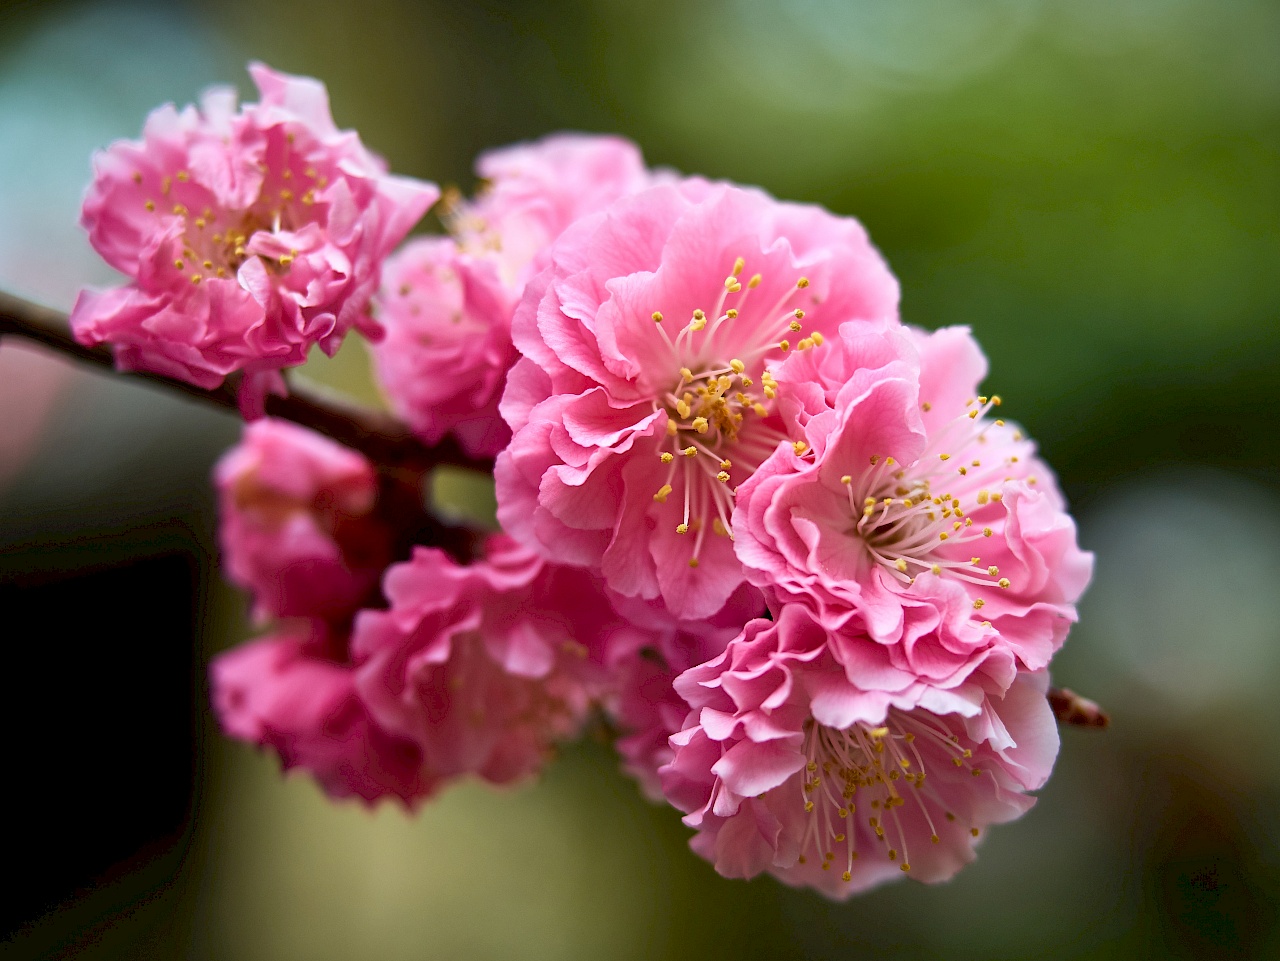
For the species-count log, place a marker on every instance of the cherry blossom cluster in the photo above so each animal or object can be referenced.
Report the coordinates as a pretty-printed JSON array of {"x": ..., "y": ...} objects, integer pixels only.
[{"x": 777, "y": 538}]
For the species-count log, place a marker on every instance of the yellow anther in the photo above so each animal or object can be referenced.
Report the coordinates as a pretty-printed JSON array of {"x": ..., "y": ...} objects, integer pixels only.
[
  {"x": 973, "y": 414},
  {"x": 150, "y": 205},
  {"x": 723, "y": 477},
  {"x": 986, "y": 532},
  {"x": 183, "y": 176},
  {"x": 693, "y": 562},
  {"x": 996, "y": 401},
  {"x": 657, "y": 316},
  {"x": 698, "y": 314},
  {"x": 979, "y": 604},
  {"x": 982, "y": 400},
  {"x": 906, "y": 867},
  {"x": 983, "y": 497},
  {"x": 795, "y": 325},
  {"x": 755, "y": 280},
  {"x": 196, "y": 278},
  {"x": 993, "y": 570},
  {"x": 973, "y": 831},
  {"x": 799, "y": 314},
  {"x": 686, "y": 375},
  {"x": 726, "y": 464},
  {"x": 718, "y": 526},
  {"x": 208, "y": 265},
  {"x": 179, "y": 264},
  {"x": 805, "y": 344},
  {"x": 878, "y": 732},
  {"x": 802, "y": 283},
  {"x": 784, "y": 345},
  {"x": 944, "y": 457},
  {"x": 1003, "y": 582},
  {"x": 817, "y": 338},
  {"x": 663, "y": 491},
  {"x": 180, "y": 209},
  {"x": 893, "y": 854},
  {"x": 997, "y": 497},
  {"x": 934, "y": 838},
  {"x": 731, "y": 284},
  {"x": 667, "y": 457},
  {"x": 738, "y": 266},
  {"x": 888, "y": 462},
  {"x": 808, "y": 806},
  {"x": 682, "y": 528},
  {"x": 1000, "y": 423},
  {"x": 936, "y": 569},
  {"x": 731, "y": 313},
  {"x": 759, "y": 409},
  {"x": 700, "y": 424},
  {"x": 942, "y": 536},
  {"x": 672, "y": 429},
  {"x": 847, "y": 479},
  {"x": 901, "y": 565},
  {"x": 799, "y": 447},
  {"x": 737, "y": 366},
  {"x": 682, "y": 408},
  {"x": 846, "y": 876},
  {"x": 690, "y": 451}
]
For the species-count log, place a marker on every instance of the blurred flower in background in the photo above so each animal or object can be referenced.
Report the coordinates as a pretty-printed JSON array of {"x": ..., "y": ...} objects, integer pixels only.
[{"x": 1093, "y": 187}]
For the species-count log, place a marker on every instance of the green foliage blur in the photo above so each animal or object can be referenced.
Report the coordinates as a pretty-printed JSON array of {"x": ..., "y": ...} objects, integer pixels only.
[{"x": 1093, "y": 187}]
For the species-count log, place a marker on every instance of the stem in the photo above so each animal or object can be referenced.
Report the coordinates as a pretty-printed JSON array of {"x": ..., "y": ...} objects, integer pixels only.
[{"x": 382, "y": 438}]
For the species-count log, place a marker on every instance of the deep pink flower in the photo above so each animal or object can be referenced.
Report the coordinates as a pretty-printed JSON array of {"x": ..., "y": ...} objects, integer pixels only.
[
  {"x": 786, "y": 764},
  {"x": 643, "y": 397},
  {"x": 643, "y": 660},
  {"x": 485, "y": 667},
  {"x": 293, "y": 691},
  {"x": 447, "y": 304},
  {"x": 248, "y": 236},
  {"x": 297, "y": 523},
  {"x": 911, "y": 510},
  {"x": 447, "y": 349},
  {"x": 531, "y": 193}
]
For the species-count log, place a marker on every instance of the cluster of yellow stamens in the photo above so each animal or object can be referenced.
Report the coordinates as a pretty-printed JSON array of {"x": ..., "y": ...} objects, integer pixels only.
[
  {"x": 877, "y": 768},
  {"x": 907, "y": 527},
  {"x": 215, "y": 240},
  {"x": 717, "y": 405}
]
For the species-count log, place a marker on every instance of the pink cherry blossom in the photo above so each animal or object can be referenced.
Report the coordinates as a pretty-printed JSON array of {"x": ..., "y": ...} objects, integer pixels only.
[
  {"x": 294, "y": 692},
  {"x": 447, "y": 304},
  {"x": 643, "y": 660},
  {"x": 787, "y": 765},
  {"x": 447, "y": 349},
  {"x": 643, "y": 397},
  {"x": 485, "y": 667},
  {"x": 910, "y": 508},
  {"x": 248, "y": 236},
  {"x": 532, "y": 192},
  {"x": 297, "y": 522}
]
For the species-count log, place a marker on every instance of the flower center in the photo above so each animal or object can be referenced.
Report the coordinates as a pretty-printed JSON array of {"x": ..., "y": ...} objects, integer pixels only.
[
  {"x": 907, "y": 527},
  {"x": 879, "y": 769},
  {"x": 717, "y": 417}
]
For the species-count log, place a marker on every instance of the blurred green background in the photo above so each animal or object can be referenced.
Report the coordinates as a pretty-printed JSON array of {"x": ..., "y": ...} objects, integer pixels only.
[{"x": 1093, "y": 186}]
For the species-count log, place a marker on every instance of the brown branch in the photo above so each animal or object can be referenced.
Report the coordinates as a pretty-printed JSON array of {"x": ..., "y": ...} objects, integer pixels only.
[{"x": 386, "y": 441}]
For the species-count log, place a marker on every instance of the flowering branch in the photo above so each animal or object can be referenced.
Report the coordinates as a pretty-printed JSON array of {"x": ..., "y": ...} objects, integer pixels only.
[{"x": 383, "y": 439}]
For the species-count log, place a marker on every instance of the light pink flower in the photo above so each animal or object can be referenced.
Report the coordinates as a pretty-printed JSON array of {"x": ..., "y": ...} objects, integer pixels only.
[
  {"x": 447, "y": 304},
  {"x": 447, "y": 349},
  {"x": 248, "y": 236},
  {"x": 485, "y": 667},
  {"x": 297, "y": 522},
  {"x": 912, "y": 510},
  {"x": 786, "y": 764},
  {"x": 642, "y": 397},
  {"x": 293, "y": 692},
  {"x": 533, "y": 191},
  {"x": 643, "y": 660}
]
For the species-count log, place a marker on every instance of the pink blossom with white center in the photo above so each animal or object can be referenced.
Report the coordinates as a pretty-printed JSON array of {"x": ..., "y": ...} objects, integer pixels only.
[
  {"x": 912, "y": 509},
  {"x": 787, "y": 766},
  {"x": 644, "y": 396},
  {"x": 644, "y": 658},
  {"x": 248, "y": 236},
  {"x": 485, "y": 667},
  {"x": 533, "y": 191},
  {"x": 294, "y": 692},
  {"x": 298, "y": 528},
  {"x": 447, "y": 349}
]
